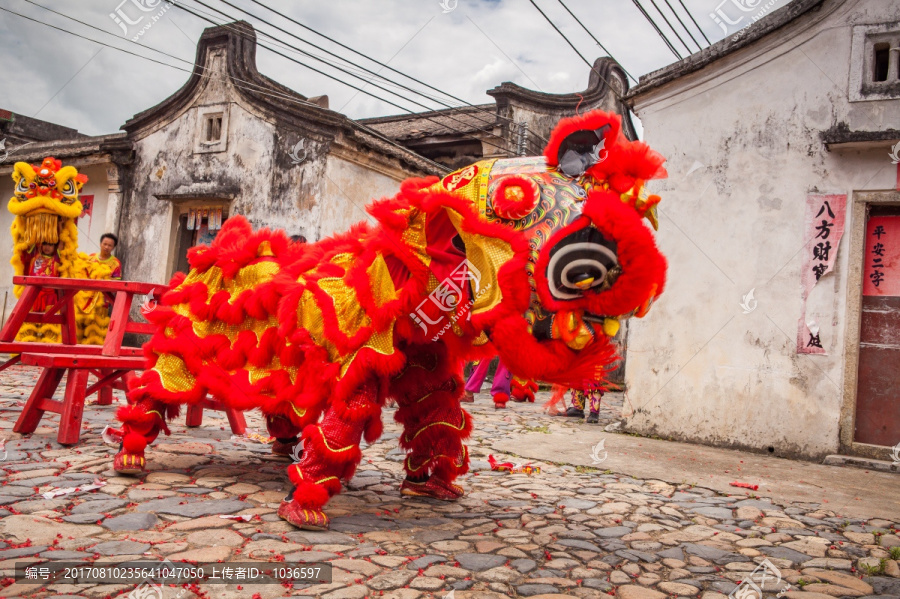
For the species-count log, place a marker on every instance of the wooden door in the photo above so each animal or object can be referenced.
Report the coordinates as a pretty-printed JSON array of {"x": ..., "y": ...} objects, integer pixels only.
[{"x": 878, "y": 386}]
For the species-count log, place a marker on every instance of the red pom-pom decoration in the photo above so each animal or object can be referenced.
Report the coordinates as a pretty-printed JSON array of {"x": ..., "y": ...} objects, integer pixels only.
[
  {"x": 515, "y": 197},
  {"x": 134, "y": 443}
]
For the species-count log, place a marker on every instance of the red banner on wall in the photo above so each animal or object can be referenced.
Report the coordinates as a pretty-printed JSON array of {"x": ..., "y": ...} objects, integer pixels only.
[
  {"x": 87, "y": 212},
  {"x": 823, "y": 228},
  {"x": 881, "y": 269},
  {"x": 87, "y": 205}
]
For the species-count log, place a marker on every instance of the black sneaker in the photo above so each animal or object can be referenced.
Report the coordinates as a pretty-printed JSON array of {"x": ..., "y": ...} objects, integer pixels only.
[{"x": 593, "y": 418}]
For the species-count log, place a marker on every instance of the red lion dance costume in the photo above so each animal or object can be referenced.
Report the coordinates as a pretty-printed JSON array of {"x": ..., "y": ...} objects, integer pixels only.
[{"x": 533, "y": 259}]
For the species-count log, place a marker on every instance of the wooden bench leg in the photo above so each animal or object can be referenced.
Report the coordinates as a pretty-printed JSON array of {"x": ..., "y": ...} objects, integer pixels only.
[
  {"x": 194, "y": 416},
  {"x": 45, "y": 388},
  {"x": 73, "y": 406},
  {"x": 236, "y": 420},
  {"x": 105, "y": 394}
]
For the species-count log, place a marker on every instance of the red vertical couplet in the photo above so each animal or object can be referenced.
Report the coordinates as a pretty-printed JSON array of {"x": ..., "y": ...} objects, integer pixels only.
[
  {"x": 823, "y": 228},
  {"x": 881, "y": 269}
]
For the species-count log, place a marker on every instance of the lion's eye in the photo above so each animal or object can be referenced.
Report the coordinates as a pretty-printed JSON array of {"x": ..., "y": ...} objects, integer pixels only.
[
  {"x": 22, "y": 186},
  {"x": 68, "y": 189}
]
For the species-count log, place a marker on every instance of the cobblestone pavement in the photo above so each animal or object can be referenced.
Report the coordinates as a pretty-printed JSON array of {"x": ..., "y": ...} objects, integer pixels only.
[{"x": 565, "y": 532}]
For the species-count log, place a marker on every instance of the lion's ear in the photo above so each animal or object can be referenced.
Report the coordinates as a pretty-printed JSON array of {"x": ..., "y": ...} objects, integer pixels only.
[
  {"x": 580, "y": 142},
  {"x": 23, "y": 170}
]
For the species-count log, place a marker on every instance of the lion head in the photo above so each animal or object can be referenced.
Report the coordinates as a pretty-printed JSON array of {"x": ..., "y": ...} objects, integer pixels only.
[
  {"x": 567, "y": 245},
  {"x": 45, "y": 203}
]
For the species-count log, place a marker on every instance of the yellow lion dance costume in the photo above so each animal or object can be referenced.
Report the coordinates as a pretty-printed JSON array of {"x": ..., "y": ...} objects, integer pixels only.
[{"x": 45, "y": 204}]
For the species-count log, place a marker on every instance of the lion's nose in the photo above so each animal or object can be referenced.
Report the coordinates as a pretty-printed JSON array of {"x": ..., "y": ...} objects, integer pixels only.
[{"x": 581, "y": 261}]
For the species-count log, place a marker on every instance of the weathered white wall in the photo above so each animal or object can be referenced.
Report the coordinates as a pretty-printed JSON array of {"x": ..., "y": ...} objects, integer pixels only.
[
  {"x": 347, "y": 187},
  {"x": 316, "y": 197},
  {"x": 748, "y": 125},
  {"x": 88, "y": 236}
]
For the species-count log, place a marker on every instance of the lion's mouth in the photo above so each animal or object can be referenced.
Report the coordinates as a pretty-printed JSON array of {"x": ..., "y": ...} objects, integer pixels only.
[{"x": 581, "y": 261}]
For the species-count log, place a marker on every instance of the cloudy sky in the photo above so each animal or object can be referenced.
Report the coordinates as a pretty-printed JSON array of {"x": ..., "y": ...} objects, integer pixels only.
[{"x": 463, "y": 47}]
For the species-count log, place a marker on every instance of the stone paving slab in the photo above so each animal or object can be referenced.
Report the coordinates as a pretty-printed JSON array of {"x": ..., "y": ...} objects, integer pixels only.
[
  {"x": 859, "y": 492},
  {"x": 574, "y": 530}
]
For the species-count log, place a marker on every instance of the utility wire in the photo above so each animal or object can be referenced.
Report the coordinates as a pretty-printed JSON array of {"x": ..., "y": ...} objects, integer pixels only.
[
  {"x": 303, "y": 52},
  {"x": 602, "y": 47},
  {"x": 359, "y": 89},
  {"x": 658, "y": 30},
  {"x": 552, "y": 24},
  {"x": 674, "y": 12},
  {"x": 248, "y": 85},
  {"x": 373, "y": 73},
  {"x": 381, "y": 64},
  {"x": 700, "y": 29},
  {"x": 535, "y": 148},
  {"x": 662, "y": 14},
  {"x": 368, "y": 130},
  {"x": 428, "y": 108},
  {"x": 92, "y": 40}
]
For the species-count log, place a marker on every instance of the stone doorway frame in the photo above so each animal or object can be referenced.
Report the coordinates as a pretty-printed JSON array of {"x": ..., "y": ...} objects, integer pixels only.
[{"x": 859, "y": 207}]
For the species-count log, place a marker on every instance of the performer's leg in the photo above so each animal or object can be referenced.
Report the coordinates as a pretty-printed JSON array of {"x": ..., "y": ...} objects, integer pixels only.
[
  {"x": 141, "y": 424},
  {"x": 500, "y": 386},
  {"x": 594, "y": 414},
  {"x": 576, "y": 410},
  {"x": 331, "y": 453},
  {"x": 434, "y": 426},
  {"x": 476, "y": 379},
  {"x": 286, "y": 433}
]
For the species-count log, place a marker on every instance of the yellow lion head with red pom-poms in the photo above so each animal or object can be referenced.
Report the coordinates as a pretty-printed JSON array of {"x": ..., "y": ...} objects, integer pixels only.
[{"x": 46, "y": 207}]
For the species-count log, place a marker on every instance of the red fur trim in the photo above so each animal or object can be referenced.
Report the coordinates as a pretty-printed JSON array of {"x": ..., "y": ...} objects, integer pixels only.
[
  {"x": 557, "y": 401},
  {"x": 441, "y": 434},
  {"x": 374, "y": 428},
  {"x": 448, "y": 469},
  {"x": 137, "y": 416},
  {"x": 514, "y": 197},
  {"x": 551, "y": 361},
  {"x": 588, "y": 121},
  {"x": 632, "y": 161},
  {"x": 309, "y": 495},
  {"x": 643, "y": 266},
  {"x": 134, "y": 443},
  {"x": 501, "y": 398}
]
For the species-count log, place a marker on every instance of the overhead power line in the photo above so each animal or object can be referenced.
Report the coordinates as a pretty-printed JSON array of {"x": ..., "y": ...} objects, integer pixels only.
[
  {"x": 700, "y": 29},
  {"x": 378, "y": 75},
  {"x": 675, "y": 12},
  {"x": 248, "y": 85},
  {"x": 656, "y": 27},
  {"x": 663, "y": 15},
  {"x": 379, "y": 63},
  {"x": 253, "y": 87},
  {"x": 352, "y": 65},
  {"x": 552, "y": 24},
  {"x": 240, "y": 33},
  {"x": 602, "y": 47}
]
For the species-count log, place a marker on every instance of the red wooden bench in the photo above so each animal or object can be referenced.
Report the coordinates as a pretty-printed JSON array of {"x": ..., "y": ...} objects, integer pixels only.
[
  {"x": 112, "y": 363},
  {"x": 72, "y": 404}
]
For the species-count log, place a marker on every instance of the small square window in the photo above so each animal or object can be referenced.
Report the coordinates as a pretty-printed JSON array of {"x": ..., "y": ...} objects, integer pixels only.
[
  {"x": 881, "y": 61},
  {"x": 875, "y": 62},
  {"x": 211, "y": 133},
  {"x": 213, "y": 128}
]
